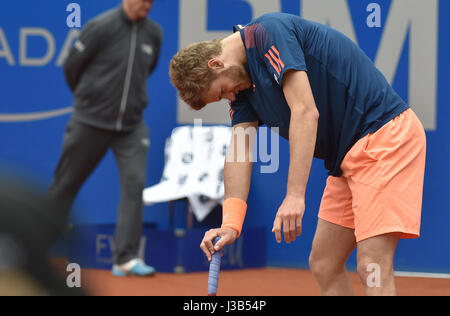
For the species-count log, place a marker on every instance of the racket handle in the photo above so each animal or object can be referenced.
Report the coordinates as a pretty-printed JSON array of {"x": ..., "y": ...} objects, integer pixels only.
[{"x": 214, "y": 269}]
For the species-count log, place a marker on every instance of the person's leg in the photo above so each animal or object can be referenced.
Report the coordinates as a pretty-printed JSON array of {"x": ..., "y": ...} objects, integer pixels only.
[
  {"x": 331, "y": 247},
  {"x": 334, "y": 239},
  {"x": 385, "y": 172},
  {"x": 130, "y": 151},
  {"x": 375, "y": 257},
  {"x": 83, "y": 148}
]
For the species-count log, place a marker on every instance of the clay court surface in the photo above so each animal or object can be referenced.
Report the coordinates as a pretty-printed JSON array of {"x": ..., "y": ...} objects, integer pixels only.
[{"x": 249, "y": 282}]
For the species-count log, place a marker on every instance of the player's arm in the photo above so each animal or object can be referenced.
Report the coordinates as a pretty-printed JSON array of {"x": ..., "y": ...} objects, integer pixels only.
[
  {"x": 237, "y": 179},
  {"x": 302, "y": 140},
  {"x": 239, "y": 161}
]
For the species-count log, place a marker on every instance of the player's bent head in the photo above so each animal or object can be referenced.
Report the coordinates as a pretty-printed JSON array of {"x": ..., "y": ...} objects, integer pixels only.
[{"x": 190, "y": 73}]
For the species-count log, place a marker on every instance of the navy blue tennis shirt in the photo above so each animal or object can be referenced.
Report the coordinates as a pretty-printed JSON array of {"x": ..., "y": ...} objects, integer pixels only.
[{"x": 352, "y": 96}]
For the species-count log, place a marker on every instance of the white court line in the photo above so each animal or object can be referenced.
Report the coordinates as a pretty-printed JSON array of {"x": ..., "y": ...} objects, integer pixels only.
[
  {"x": 396, "y": 273},
  {"x": 422, "y": 275}
]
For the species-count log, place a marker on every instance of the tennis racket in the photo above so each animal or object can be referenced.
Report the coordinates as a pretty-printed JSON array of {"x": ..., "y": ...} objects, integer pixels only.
[{"x": 214, "y": 269}]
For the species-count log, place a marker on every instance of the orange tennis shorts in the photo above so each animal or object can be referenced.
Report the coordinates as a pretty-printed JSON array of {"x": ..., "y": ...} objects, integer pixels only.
[{"x": 380, "y": 190}]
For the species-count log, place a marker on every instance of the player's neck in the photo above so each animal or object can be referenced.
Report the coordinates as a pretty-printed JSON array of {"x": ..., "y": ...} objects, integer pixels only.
[{"x": 233, "y": 49}]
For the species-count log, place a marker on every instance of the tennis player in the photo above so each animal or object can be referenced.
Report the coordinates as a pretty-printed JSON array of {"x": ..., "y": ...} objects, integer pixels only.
[{"x": 328, "y": 99}]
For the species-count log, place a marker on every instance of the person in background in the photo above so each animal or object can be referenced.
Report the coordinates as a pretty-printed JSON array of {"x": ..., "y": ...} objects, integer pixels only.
[{"x": 107, "y": 71}]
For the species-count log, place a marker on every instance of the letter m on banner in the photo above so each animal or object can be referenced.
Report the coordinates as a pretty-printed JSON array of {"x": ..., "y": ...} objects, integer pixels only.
[{"x": 419, "y": 18}]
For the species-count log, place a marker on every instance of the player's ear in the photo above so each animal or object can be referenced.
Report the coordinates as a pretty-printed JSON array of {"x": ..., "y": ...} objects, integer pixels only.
[{"x": 215, "y": 64}]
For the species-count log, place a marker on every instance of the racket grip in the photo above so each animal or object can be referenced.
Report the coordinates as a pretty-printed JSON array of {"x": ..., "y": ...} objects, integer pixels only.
[{"x": 214, "y": 269}]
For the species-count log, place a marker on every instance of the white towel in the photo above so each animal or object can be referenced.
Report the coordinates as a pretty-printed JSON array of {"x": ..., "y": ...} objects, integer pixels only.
[{"x": 195, "y": 158}]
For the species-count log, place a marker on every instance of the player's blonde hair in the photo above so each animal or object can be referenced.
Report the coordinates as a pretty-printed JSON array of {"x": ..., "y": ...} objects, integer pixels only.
[{"x": 190, "y": 74}]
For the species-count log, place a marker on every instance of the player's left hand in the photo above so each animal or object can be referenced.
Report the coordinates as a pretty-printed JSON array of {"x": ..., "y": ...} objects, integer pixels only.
[
  {"x": 227, "y": 236},
  {"x": 289, "y": 215}
]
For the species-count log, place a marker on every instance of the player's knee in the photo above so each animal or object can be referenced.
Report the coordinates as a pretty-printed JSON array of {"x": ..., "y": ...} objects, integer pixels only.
[
  {"x": 320, "y": 266},
  {"x": 325, "y": 267},
  {"x": 362, "y": 266},
  {"x": 314, "y": 264}
]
